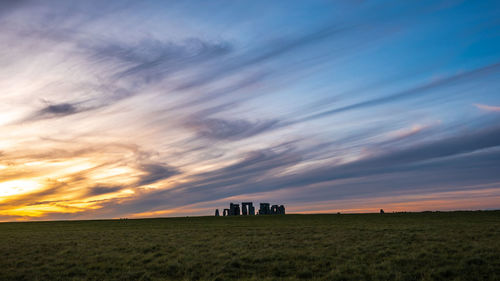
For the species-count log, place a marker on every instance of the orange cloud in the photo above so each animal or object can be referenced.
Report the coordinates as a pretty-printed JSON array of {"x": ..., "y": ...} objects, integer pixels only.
[{"x": 489, "y": 108}]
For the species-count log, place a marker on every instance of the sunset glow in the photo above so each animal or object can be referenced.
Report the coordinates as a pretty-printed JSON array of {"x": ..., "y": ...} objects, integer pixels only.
[
  {"x": 16, "y": 187},
  {"x": 113, "y": 109}
]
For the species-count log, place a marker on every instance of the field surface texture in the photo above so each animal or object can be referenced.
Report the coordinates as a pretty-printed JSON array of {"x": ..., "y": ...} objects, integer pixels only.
[{"x": 411, "y": 246}]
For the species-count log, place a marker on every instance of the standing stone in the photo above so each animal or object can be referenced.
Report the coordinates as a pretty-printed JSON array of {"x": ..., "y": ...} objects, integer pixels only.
[
  {"x": 282, "y": 209},
  {"x": 247, "y": 208},
  {"x": 234, "y": 209},
  {"x": 251, "y": 210},
  {"x": 274, "y": 209},
  {"x": 264, "y": 209}
]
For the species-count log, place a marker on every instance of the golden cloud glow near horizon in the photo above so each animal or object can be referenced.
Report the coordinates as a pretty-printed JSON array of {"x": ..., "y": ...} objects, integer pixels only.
[
  {"x": 59, "y": 187},
  {"x": 66, "y": 179}
]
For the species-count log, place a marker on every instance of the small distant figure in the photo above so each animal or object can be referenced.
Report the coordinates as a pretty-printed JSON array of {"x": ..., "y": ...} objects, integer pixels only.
[
  {"x": 382, "y": 211},
  {"x": 217, "y": 212}
]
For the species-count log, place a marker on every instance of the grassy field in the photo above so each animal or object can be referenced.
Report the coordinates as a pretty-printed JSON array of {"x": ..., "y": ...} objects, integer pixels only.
[{"x": 411, "y": 246}]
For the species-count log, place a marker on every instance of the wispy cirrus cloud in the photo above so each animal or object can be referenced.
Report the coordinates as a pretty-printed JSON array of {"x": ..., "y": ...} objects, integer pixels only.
[
  {"x": 152, "y": 59},
  {"x": 416, "y": 92},
  {"x": 220, "y": 129},
  {"x": 487, "y": 107},
  {"x": 155, "y": 172}
]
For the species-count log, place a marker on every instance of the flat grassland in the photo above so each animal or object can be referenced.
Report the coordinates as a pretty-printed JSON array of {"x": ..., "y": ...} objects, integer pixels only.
[{"x": 404, "y": 246}]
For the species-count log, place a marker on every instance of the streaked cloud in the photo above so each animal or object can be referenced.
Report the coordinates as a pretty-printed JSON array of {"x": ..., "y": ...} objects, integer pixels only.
[
  {"x": 221, "y": 129},
  {"x": 488, "y": 107}
]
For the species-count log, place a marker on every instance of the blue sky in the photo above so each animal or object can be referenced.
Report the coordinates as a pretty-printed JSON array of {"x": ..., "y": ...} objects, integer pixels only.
[{"x": 154, "y": 108}]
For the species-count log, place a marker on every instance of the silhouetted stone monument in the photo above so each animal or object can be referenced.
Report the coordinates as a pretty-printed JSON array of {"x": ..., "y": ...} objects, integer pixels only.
[{"x": 247, "y": 209}]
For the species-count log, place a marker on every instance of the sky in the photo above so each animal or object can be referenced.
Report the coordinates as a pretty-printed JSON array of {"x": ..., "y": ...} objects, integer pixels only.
[{"x": 113, "y": 109}]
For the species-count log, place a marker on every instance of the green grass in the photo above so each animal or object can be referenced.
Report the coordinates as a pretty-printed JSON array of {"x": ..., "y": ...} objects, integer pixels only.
[{"x": 411, "y": 246}]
